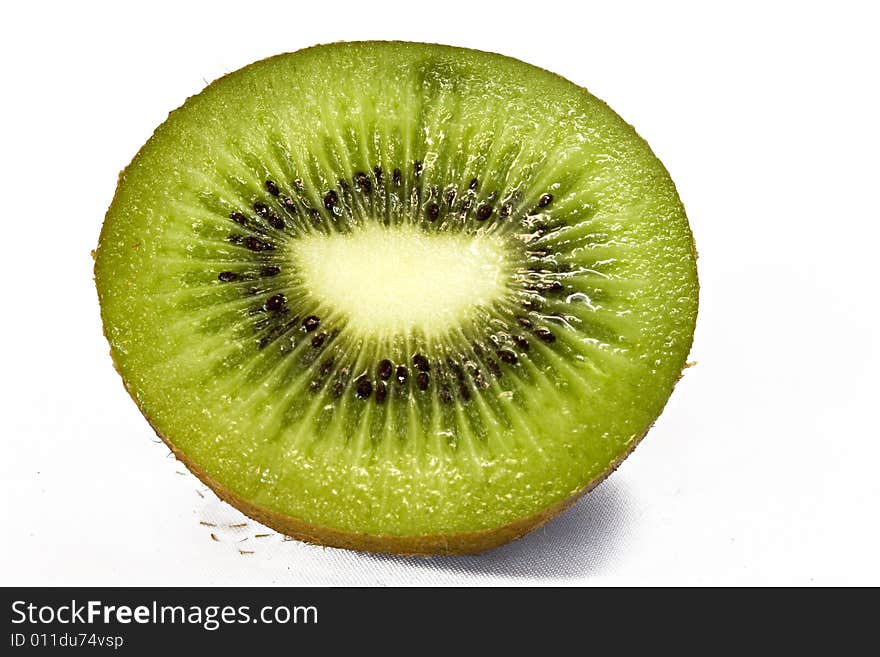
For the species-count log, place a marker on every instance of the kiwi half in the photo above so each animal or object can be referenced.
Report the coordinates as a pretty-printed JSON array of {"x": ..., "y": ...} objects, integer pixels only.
[{"x": 397, "y": 297}]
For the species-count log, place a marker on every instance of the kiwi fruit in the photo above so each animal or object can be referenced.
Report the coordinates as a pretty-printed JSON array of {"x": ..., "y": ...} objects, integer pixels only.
[{"x": 397, "y": 297}]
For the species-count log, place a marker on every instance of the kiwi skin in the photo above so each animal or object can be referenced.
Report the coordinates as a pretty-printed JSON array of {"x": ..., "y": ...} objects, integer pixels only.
[
  {"x": 422, "y": 545},
  {"x": 425, "y": 545}
]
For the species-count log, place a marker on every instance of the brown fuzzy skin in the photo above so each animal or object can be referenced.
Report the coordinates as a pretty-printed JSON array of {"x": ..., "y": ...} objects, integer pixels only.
[
  {"x": 416, "y": 545},
  {"x": 419, "y": 545}
]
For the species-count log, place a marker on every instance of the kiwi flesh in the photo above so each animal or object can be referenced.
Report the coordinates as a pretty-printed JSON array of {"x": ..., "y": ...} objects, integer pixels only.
[{"x": 397, "y": 297}]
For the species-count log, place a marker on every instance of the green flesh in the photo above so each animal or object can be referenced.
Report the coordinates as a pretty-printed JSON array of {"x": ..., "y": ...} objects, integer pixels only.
[{"x": 225, "y": 371}]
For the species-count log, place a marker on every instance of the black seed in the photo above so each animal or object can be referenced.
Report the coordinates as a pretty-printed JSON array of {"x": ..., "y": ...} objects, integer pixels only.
[
  {"x": 262, "y": 209},
  {"x": 545, "y": 200},
  {"x": 493, "y": 367},
  {"x": 318, "y": 339},
  {"x": 402, "y": 374},
  {"x": 395, "y": 177},
  {"x": 255, "y": 244},
  {"x": 228, "y": 276},
  {"x": 422, "y": 380},
  {"x": 432, "y": 211},
  {"x": 450, "y": 197},
  {"x": 275, "y": 302},
  {"x": 474, "y": 184},
  {"x": 331, "y": 199},
  {"x": 363, "y": 183},
  {"x": 363, "y": 388},
  {"x": 310, "y": 323},
  {"x": 338, "y": 387},
  {"x": 484, "y": 212},
  {"x": 272, "y": 188},
  {"x": 545, "y": 334},
  {"x": 521, "y": 342},
  {"x": 506, "y": 356},
  {"x": 476, "y": 374},
  {"x": 525, "y": 322},
  {"x": 456, "y": 369},
  {"x": 271, "y": 270},
  {"x": 276, "y": 222},
  {"x": 315, "y": 215},
  {"x": 377, "y": 171},
  {"x": 381, "y": 392},
  {"x": 386, "y": 367},
  {"x": 504, "y": 212},
  {"x": 288, "y": 203},
  {"x": 421, "y": 363},
  {"x": 239, "y": 218},
  {"x": 464, "y": 392},
  {"x": 417, "y": 168},
  {"x": 553, "y": 286},
  {"x": 341, "y": 381},
  {"x": 326, "y": 366}
]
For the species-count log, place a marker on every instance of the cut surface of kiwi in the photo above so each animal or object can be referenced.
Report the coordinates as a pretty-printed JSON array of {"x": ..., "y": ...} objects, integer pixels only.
[{"x": 395, "y": 296}]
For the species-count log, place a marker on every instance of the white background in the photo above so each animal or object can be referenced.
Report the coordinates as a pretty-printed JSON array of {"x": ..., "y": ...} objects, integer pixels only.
[{"x": 762, "y": 470}]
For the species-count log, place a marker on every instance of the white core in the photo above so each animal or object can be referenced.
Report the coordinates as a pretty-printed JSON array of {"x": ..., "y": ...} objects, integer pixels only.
[{"x": 393, "y": 280}]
